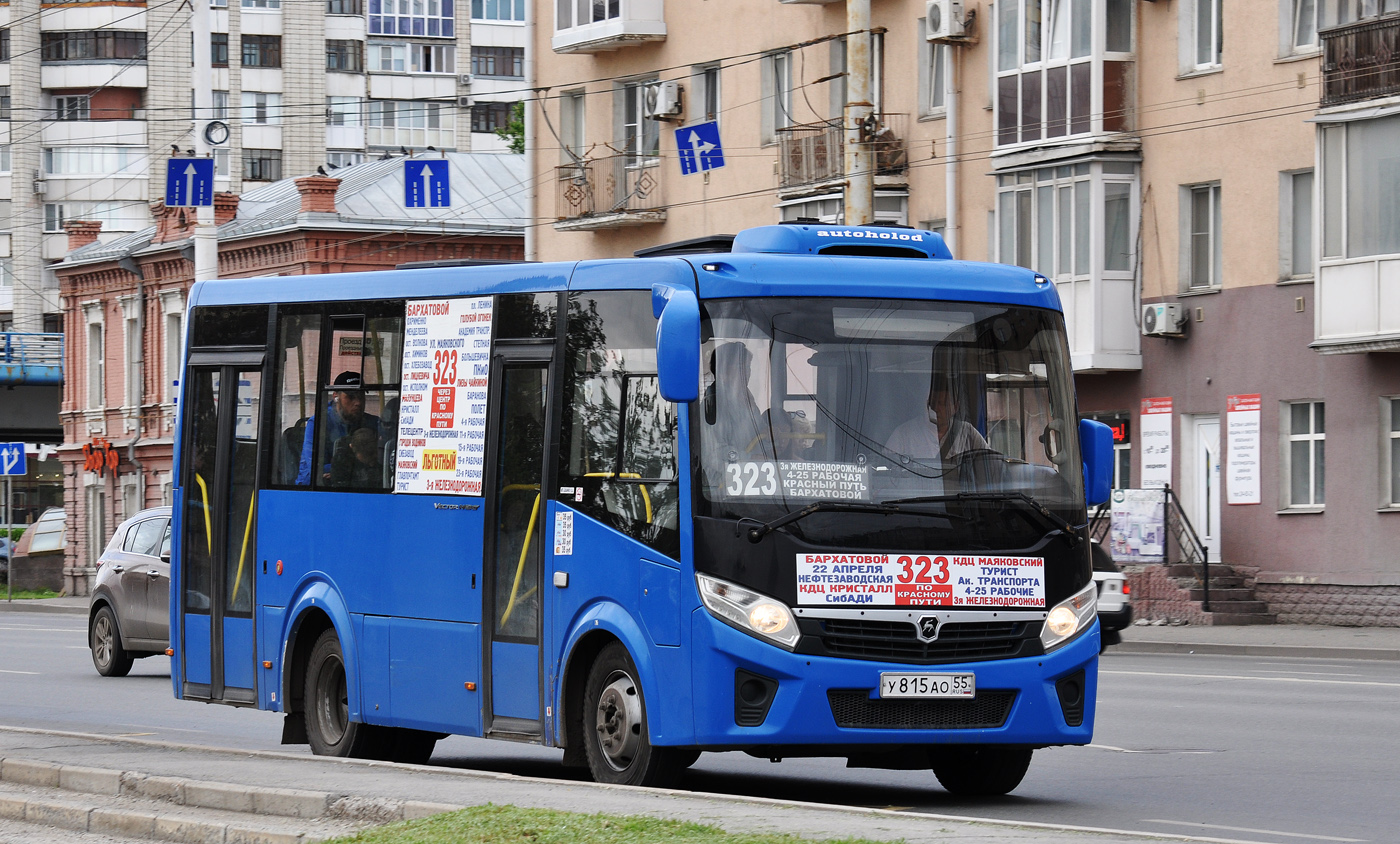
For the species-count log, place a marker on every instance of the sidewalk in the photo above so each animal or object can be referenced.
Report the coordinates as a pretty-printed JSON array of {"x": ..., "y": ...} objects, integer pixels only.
[{"x": 1297, "y": 640}]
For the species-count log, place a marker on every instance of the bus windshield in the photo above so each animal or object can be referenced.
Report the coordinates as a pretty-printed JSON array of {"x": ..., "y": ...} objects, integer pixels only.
[{"x": 876, "y": 402}]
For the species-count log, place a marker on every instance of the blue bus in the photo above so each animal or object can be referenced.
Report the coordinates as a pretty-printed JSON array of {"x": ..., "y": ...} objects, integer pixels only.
[{"x": 805, "y": 491}]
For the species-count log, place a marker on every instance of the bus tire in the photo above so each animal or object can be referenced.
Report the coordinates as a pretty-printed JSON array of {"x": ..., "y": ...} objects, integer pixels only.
[
  {"x": 980, "y": 770},
  {"x": 105, "y": 640},
  {"x": 329, "y": 730},
  {"x": 400, "y": 744},
  {"x": 615, "y": 727}
]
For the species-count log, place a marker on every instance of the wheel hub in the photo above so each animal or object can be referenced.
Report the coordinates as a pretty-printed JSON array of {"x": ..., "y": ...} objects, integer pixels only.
[{"x": 619, "y": 721}]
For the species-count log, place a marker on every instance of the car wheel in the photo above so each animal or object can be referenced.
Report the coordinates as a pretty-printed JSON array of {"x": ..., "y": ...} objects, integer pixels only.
[
  {"x": 105, "y": 640},
  {"x": 329, "y": 730},
  {"x": 980, "y": 770},
  {"x": 615, "y": 726}
]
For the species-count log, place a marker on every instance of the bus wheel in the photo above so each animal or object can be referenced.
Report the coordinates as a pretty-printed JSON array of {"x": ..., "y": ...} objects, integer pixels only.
[
  {"x": 414, "y": 747},
  {"x": 980, "y": 770},
  {"x": 108, "y": 655},
  {"x": 615, "y": 729},
  {"x": 329, "y": 729}
]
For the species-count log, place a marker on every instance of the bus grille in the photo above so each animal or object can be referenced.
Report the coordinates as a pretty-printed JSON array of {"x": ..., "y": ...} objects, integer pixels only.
[
  {"x": 854, "y": 708},
  {"x": 896, "y": 641}
]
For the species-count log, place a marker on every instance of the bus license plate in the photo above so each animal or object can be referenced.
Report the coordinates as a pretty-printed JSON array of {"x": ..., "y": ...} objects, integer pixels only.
[{"x": 928, "y": 685}]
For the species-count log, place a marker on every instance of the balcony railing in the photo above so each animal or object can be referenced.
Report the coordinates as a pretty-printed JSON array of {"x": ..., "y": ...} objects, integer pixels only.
[
  {"x": 619, "y": 190},
  {"x": 35, "y": 359},
  {"x": 1361, "y": 61},
  {"x": 815, "y": 152}
]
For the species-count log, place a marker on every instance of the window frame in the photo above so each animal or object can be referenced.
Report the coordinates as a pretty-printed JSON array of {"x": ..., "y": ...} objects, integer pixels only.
[
  {"x": 345, "y": 55},
  {"x": 72, "y": 107},
  {"x": 1189, "y": 37},
  {"x": 777, "y": 95},
  {"x": 934, "y": 66},
  {"x": 487, "y": 61},
  {"x": 488, "y": 116},
  {"x": 638, "y": 136},
  {"x": 1293, "y": 14},
  {"x": 1214, "y": 231},
  {"x": 265, "y": 50},
  {"x": 256, "y": 160},
  {"x": 1316, "y": 464},
  {"x": 265, "y": 108},
  {"x": 218, "y": 49},
  {"x": 517, "y": 10},
  {"x": 345, "y": 7},
  {"x": 1296, "y": 200}
]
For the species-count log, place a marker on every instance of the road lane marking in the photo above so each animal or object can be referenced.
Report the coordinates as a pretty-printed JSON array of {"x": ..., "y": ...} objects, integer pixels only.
[
  {"x": 48, "y": 629},
  {"x": 1148, "y": 750},
  {"x": 1311, "y": 673},
  {"x": 1249, "y": 677},
  {"x": 34, "y": 673},
  {"x": 1196, "y": 825}
]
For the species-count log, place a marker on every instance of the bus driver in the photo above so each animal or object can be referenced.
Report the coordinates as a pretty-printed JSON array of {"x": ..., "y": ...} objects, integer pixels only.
[{"x": 941, "y": 432}]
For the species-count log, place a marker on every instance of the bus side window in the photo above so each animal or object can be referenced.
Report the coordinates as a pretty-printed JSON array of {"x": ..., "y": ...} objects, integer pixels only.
[
  {"x": 299, "y": 353},
  {"x": 618, "y": 452}
]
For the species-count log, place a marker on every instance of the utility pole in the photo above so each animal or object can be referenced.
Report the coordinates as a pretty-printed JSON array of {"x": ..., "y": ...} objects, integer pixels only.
[
  {"x": 860, "y": 169},
  {"x": 206, "y": 243}
]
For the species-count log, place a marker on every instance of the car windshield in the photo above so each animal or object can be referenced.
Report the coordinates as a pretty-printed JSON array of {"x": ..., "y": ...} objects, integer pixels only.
[{"x": 879, "y": 402}]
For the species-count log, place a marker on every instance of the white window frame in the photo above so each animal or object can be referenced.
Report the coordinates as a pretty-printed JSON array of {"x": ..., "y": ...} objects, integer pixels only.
[
  {"x": 814, "y": 207},
  {"x": 1192, "y": 228},
  {"x": 345, "y": 111},
  {"x": 261, "y": 108},
  {"x": 72, "y": 107},
  {"x": 388, "y": 58},
  {"x": 777, "y": 95},
  {"x": 638, "y": 136},
  {"x": 1316, "y": 497},
  {"x": 1190, "y": 36},
  {"x": 1299, "y": 17},
  {"x": 97, "y": 535},
  {"x": 96, "y": 355},
  {"x": 172, "y": 306},
  {"x": 132, "y": 346},
  {"x": 4, "y": 158},
  {"x": 573, "y": 112},
  {"x": 933, "y": 74},
  {"x": 1389, "y": 452},
  {"x": 1296, "y": 213},
  {"x": 442, "y": 58},
  {"x": 705, "y": 92}
]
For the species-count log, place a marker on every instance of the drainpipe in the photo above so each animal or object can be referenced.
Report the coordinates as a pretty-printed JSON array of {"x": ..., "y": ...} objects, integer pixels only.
[
  {"x": 860, "y": 169},
  {"x": 950, "y": 152},
  {"x": 531, "y": 178}
]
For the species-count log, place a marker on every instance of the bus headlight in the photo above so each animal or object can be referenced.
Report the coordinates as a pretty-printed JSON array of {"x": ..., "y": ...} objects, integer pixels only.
[
  {"x": 749, "y": 611},
  {"x": 1069, "y": 617}
]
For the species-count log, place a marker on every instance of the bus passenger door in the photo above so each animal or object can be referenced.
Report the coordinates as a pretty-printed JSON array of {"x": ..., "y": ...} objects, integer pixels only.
[
  {"x": 514, "y": 552},
  {"x": 220, "y": 496}
]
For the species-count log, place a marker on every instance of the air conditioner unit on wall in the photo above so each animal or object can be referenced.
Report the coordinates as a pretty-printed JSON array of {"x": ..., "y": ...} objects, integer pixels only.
[
  {"x": 663, "y": 101},
  {"x": 1164, "y": 319},
  {"x": 944, "y": 19},
  {"x": 465, "y": 80}
]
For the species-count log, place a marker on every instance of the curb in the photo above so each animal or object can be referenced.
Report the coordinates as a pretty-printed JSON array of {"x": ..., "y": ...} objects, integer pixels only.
[
  {"x": 37, "y": 605},
  {"x": 1311, "y": 651}
]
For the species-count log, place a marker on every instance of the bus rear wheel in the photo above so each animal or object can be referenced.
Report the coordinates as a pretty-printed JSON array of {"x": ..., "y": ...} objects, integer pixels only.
[
  {"x": 615, "y": 726},
  {"x": 329, "y": 729},
  {"x": 980, "y": 770}
]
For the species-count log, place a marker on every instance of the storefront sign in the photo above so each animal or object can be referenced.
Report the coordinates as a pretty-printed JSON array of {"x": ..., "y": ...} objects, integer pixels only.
[
  {"x": 1155, "y": 430},
  {"x": 1138, "y": 527},
  {"x": 442, "y": 413},
  {"x": 1242, "y": 449},
  {"x": 99, "y": 456}
]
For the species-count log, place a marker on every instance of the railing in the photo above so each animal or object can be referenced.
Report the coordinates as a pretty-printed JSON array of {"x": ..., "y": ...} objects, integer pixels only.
[
  {"x": 1192, "y": 549},
  {"x": 815, "y": 152},
  {"x": 35, "y": 359},
  {"x": 617, "y": 184},
  {"x": 1361, "y": 61},
  {"x": 1100, "y": 522}
]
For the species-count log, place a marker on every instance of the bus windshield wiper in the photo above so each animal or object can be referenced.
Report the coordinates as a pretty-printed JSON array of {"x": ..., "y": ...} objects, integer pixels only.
[
  {"x": 1032, "y": 506},
  {"x": 757, "y": 533}
]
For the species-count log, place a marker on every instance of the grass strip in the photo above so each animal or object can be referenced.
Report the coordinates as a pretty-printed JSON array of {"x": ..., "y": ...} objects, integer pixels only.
[
  {"x": 31, "y": 594},
  {"x": 492, "y": 824}
]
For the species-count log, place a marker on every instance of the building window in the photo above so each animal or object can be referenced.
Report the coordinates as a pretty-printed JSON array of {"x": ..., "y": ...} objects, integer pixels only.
[
  {"x": 218, "y": 4},
  {"x": 498, "y": 10},
  {"x": 488, "y": 117},
  {"x": 344, "y": 111},
  {"x": 1201, "y": 34},
  {"x": 174, "y": 341},
  {"x": 933, "y": 69},
  {"x": 1295, "y": 225},
  {"x": 1306, "y": 457},
  {"x": 411, "y": 17},
  {"x": 1298, "y": 26},
  {"x": 344, "y": 7},
  {"x": 4, "y": 102},
  {"x": 262, "y": 165},
  {"x": 1390, "y": 412},
  {"x": 94, "y": 45},
  {"x": 221, "y": 105},
  {"x": 571, "y": 125},
  {"x": 262, "y": 50},
  {"x": 95, "y": 161},
  {"x": 777, "y": 95},
  {"x": 1361, "y": 188},
  {"x": 569, "y": 14},
  {"x": 338, "y": 158},
  {"x": 221, "y": 160},
  {"x": 641, "y": 136},
  {"x": 1202, "y": 246},
  {"x": 434, "y": 58},
  {"x": 132, "y": 335},
  {"x": 410, "y": 123},
  {"x": 72, "y": 108},
  {"x": 262, "y": 108},
  {"x": 4, "y": 45},
  {"x": 388, "y": 58},
  {"x": 1342, "y": 12},
  {"x": 4, "y": 158},
  {"x": 830, "y": 208},
  {"x": 498, "y": 61},
  {"x": 347, "y": 56},
  {"x": 704, "y": 103},
  {"x": 96, "y": 358},
  {"x": 262, "y": 4},
  {"x": 218, "y": 49},
  {"x": 114, "y": 216},
  {"x": 7, "y": 272}
]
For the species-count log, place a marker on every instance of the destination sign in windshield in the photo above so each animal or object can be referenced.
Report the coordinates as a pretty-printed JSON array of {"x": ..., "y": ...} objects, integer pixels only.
[
  {"x": 920, "y": 580},
  {"x": 797, "y": 479}
]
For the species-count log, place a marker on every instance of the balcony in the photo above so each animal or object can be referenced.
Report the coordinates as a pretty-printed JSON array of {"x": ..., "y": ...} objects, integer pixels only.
[
  {"x": 607, "y": 25},
  {"x": 1361, "y": 61},
  {"x": 31, "y": 359},
  {"x": 813, "y": 153},
  {"x": 608, "y": 193}
]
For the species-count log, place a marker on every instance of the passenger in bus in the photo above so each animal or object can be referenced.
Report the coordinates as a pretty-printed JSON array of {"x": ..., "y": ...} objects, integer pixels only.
[
  {"x": 730, "y": 406},
  {"x": 940, "y": 432},
  {"x": 355, "y": 461},
  {"x": 345, "y": 413}
]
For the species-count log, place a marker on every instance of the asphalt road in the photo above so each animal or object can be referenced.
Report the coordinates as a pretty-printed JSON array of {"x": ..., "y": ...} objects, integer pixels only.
[{"x": 1255, "y": 749}]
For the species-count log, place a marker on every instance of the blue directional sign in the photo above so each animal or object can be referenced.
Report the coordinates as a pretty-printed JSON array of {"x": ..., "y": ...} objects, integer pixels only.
[
  {"x": 699, "y": 148},
  {"x": 12, "y": 459},
  {"x": 189, "y": 182},
  {"x": 425, "y": 184}
]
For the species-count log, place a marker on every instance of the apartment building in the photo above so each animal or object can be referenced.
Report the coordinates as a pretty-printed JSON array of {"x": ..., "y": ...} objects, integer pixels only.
[
  {"x": 95, "y": 96},
  {"x": 1234, "y": 163}
]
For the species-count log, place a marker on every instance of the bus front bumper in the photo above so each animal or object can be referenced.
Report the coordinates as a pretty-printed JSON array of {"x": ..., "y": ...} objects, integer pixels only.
[{"x": 810, "y": 698}]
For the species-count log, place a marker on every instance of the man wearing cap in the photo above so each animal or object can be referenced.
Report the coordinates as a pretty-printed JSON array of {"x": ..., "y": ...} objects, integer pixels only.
[{"x": 345, "y": 414}]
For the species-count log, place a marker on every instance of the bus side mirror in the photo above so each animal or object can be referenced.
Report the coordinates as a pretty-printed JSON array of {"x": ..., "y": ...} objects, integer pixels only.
[
  {"x": 677, "y": 342},
  {"x": 1096, "y": 444}
]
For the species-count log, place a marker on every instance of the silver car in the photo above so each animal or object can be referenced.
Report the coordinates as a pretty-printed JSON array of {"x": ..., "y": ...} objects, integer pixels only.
[{"x": 129, "y": 615}]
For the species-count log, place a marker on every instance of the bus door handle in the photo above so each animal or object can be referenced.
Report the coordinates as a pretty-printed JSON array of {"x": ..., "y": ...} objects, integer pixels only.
[{"x": 561, "y": 579}]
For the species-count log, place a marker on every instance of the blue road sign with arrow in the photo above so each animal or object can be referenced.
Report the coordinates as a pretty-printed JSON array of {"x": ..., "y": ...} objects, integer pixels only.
[
  {"x": 699, "y": 148},
  {"x": 189, "y": 182},
  {"x": 425, "y": 183},
  {"x": 12, "y": 459}
]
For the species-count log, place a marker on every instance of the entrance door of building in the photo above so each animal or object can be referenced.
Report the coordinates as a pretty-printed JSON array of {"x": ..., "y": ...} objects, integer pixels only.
[{"x": 1206, "y": 491}]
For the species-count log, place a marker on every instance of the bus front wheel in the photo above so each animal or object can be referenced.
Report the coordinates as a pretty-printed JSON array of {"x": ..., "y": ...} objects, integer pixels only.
[
  {"x": 980, "y": 770},
  {"x": 615, "y": 727},
  {"x": 329, "y": 729}
]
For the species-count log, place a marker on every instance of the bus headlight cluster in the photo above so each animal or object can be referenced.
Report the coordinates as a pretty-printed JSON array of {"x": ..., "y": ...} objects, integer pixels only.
[
  {"x": 1069, "y": 617},
  {"x": 749, "y": 611}
]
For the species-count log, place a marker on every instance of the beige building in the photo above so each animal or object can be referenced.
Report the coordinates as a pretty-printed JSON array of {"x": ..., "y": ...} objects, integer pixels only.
[{"x": 1137, "y": 153}]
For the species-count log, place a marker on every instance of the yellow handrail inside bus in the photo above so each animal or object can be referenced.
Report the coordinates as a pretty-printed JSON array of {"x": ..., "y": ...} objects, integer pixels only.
[
  {"x": 646, "y": 498},
  {"x": 524, "y": 552},
  {"x": 208, "y": 525},
  {"x": 247, "y": 530}
]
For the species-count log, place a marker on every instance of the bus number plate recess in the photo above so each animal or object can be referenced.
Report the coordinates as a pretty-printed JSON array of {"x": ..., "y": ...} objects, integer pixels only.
[{"x": 899, "y": 684}]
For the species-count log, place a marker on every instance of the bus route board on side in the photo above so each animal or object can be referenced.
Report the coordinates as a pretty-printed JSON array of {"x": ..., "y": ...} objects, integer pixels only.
[{"x": 446, "y": 381}]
